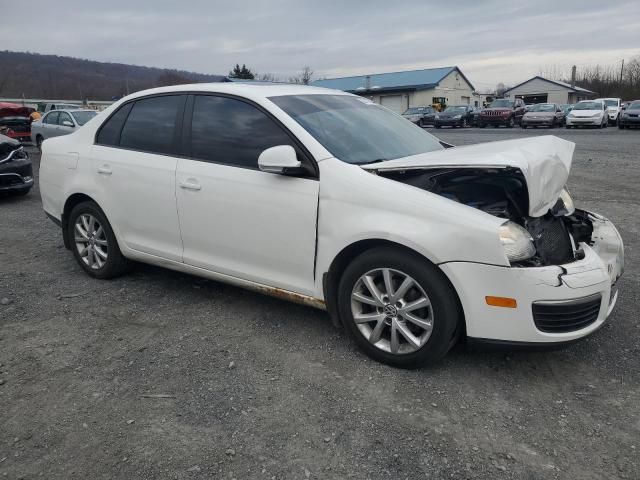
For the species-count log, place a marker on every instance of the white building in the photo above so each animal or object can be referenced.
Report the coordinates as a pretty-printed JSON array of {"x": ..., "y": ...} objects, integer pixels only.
[{"x": 542, "y": 90}]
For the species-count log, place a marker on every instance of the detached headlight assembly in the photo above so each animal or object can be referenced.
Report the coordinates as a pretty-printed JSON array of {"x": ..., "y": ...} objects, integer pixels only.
[{"x": 516, "y": 241}]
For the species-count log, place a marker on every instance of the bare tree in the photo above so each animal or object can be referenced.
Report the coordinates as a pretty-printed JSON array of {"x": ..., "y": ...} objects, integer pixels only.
[{"x": 304, "y": 77}]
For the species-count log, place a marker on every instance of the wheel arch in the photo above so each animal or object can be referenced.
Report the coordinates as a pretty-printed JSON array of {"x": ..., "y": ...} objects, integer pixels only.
[
  {"x": 331, "y": 278},
  {"x": 69, "y": 204}
]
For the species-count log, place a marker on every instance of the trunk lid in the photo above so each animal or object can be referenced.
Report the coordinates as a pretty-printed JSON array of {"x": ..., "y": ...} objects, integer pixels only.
[{"x": 544, "y": 161}]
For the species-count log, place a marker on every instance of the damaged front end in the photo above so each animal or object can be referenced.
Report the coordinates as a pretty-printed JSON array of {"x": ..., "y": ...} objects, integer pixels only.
[
  {"x": 521, "y": 181},
  {"x": 502, "y": 192}
]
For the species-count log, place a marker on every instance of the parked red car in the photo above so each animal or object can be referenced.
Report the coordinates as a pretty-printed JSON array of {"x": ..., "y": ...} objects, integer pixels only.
[
  {"x": 503, "y": 111},
  {"x": 15, "y": 121}
]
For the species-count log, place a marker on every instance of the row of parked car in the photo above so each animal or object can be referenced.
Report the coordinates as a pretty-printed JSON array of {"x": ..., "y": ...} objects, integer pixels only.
[{"x": 511, "y": 112}]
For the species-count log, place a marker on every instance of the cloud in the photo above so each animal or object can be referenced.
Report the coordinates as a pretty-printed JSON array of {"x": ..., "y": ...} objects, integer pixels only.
[{"x": 495, "y": 41}]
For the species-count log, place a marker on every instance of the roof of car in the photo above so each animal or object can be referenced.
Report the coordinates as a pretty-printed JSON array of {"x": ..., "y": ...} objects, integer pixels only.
[
  {"x": 71, "y": 110},
  {"x": 246, "y": 89}
]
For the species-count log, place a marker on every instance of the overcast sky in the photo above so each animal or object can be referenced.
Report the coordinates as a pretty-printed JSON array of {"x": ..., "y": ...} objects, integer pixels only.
[{"x": 491, "y": 41}]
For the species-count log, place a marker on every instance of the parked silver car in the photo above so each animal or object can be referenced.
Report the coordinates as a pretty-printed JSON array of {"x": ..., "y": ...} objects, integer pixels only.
[
  {"x": 543, "y": 115},
  {"x": 59, "y": 122}
]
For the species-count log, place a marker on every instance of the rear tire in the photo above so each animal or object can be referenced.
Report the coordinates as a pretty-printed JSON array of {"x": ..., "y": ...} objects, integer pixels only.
[
  {"x": 432, "y": 328},
  {"x": 94, "y": 244}
]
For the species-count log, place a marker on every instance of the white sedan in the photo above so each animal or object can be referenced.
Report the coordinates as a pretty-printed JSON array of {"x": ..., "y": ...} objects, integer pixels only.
[
  {"x": 588, "y": 113},
  {"x": 328, "y": 199}
]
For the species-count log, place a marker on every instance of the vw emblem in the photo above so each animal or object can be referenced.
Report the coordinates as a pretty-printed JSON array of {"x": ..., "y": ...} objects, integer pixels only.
[{"x": 390, "y": 310}]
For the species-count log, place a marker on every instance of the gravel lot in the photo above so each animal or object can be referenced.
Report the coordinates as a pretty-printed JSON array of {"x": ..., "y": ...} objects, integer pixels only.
[{"x": 164, "y": 375}]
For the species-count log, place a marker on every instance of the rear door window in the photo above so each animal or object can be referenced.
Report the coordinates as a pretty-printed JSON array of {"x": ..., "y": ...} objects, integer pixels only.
[{"x": 151, "y": 124}]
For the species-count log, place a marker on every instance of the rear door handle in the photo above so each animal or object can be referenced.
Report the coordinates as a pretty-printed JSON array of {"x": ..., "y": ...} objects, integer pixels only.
[
  {"x": 105, "y": 170},
  {"x": 190, "y": 185}
]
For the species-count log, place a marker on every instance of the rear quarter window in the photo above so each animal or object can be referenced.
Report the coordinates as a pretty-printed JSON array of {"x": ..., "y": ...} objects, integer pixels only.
[{"x": 109, "y": 133}]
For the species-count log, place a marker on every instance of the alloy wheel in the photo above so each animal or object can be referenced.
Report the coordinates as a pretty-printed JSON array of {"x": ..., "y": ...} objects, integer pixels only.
[
  {"x": 91, "y": 241},
  {"x": 392, "y": 311}
]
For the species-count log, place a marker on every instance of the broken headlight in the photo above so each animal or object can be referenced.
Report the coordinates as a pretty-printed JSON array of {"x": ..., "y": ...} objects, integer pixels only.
[
  {"x": 516, "y": 241},
  {"x": 564, "y": 206}
]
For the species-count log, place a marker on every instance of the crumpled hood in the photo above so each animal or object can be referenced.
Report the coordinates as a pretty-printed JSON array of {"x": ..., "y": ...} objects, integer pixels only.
[{"x": 544, "y": 161}]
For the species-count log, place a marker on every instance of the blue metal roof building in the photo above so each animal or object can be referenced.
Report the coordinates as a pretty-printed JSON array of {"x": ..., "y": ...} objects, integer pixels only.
[
  {"x": 400, "y": 90},
  {"x": 389, "y": 82}
]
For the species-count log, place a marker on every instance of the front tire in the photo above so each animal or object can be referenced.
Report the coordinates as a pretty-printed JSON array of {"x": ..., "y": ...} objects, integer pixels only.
[
  {"x": 399, "y": 308},
  {"x": 93, "y": 242},
  {"x": 511, "y": 123},
  {"x": 39, "y": 140}
]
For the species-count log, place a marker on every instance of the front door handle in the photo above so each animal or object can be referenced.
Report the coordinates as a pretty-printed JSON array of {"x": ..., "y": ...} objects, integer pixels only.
[
  {"x": 105, "y": 170},
  {"x": 190, "y": 185}
]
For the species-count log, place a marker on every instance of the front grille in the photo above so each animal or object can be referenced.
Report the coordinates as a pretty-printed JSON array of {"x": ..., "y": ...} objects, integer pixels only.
[
  {"x": 566, "y": 316},
  {"x": 492, "y": 113}
]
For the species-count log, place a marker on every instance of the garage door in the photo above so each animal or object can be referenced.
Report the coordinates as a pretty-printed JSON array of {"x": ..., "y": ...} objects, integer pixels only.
[{"x": 393, "y": 102}]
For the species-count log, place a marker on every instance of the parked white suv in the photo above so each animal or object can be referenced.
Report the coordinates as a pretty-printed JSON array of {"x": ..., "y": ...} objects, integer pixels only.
[
  {"x": 326, "y": 198},
  {"x": 613, "y": 108}
]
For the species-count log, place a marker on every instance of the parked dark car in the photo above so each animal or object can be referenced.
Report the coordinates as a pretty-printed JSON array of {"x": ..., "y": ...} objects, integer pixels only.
[
  {"x": 475, "y": 116},
  {"x": 630, "y": 115},
  {"x": 16, "y": 174},
  {"x": 15, "y": 121},
  {"x": 421, "y": 116},
  {"x": 566, "y": 108},
  {"x": 454, "y": 116},
  {"x": 543, "y": 115},
  {"x": 503, "y": 111}
]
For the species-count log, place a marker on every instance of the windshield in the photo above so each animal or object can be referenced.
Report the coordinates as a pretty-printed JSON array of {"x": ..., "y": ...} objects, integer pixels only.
[
  {"x": 634, "y": 106},
  {"x": 83, "y": 117},
  {"x": 543, "y": 107},
  {"x": 611, "y": 103},
  {"x": 356, "y": 130},
  {"x": 455, "y": 109},
  {"x": 588, "y": 106},
  {"x": 502, "y": 102}
]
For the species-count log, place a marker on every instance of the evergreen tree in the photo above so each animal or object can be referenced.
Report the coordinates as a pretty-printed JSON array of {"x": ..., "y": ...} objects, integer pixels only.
[{"x": 241, "y": 72}]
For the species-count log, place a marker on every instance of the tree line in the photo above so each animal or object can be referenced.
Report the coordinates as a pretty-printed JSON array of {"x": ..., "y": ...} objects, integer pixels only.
[
  {"x": 614, "y": 80},
  {"x": 31, "y": 75}
]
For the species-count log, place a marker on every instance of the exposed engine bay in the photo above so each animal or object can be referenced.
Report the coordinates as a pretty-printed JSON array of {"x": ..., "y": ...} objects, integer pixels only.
[{"x": 502, "y": 192}]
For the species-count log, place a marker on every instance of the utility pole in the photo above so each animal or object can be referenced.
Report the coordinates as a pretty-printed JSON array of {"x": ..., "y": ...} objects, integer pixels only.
[
  {"x": 621, "y": 70},
  {"x": 573, "y": 77}
]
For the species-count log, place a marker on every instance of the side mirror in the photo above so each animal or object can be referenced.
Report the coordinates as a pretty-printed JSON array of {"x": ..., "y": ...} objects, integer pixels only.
[
  {"x": 67, "y": 123},
  {"x": 281, "y": 159}
]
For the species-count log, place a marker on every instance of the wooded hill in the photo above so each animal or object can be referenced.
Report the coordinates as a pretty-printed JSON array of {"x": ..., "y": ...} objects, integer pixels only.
[{"x": 31, "y": 75}]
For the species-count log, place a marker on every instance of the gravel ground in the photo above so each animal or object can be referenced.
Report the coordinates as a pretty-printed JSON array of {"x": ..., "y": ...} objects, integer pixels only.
[{"x": 163, "y": 375}]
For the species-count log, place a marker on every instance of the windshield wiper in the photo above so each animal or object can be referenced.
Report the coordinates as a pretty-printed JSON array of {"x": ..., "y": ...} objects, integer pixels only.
[{"x": 369, "y": 162}]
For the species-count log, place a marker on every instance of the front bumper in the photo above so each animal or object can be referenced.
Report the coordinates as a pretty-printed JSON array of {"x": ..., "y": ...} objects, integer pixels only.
[
  {"x": 16, "y": 175},
  {"x": 627, "y": 120},
  {"x": 447, "y": 122},
  {"x": 537, "y": 122},
  {"x": 494, "y": 119},
  {"x": 595, "y": 275},
  {"x": 576, "y": 122}
]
